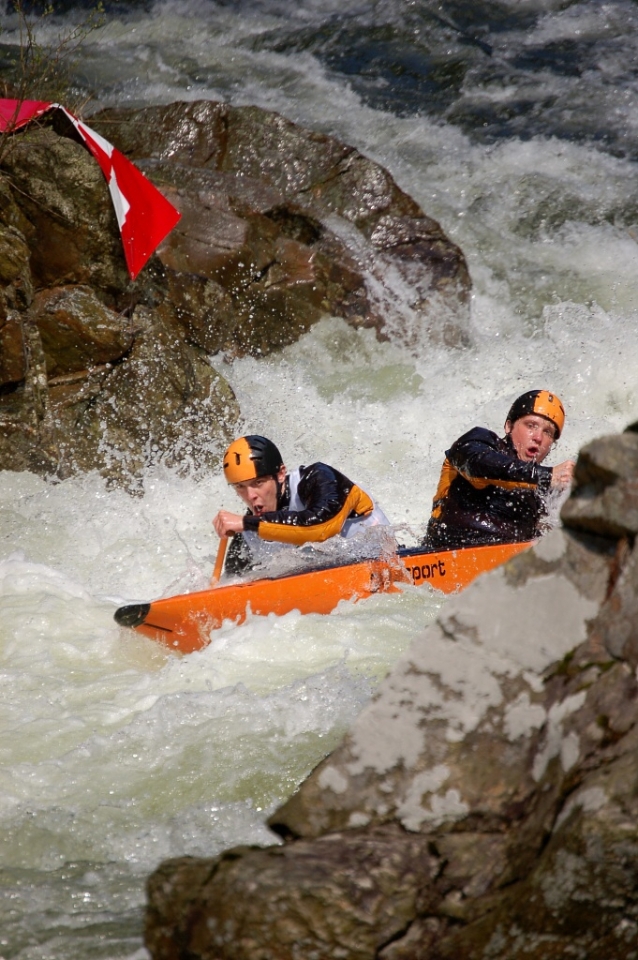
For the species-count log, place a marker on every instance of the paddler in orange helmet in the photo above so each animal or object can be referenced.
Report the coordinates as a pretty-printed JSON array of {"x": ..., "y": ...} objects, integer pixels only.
[
  {"x": 493, "y": 489},
  {"x": 309, "y": 504}
]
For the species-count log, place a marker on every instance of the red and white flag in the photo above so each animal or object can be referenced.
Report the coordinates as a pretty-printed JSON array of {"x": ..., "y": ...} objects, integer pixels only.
[{"x": 144, "y": 216}]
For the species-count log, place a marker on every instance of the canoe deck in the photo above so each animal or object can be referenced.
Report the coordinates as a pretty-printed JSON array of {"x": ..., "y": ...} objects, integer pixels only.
[{"x": 184, "y": 623}]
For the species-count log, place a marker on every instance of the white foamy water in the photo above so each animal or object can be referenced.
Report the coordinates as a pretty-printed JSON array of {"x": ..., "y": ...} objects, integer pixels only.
[{"x": 116, "y": 754}]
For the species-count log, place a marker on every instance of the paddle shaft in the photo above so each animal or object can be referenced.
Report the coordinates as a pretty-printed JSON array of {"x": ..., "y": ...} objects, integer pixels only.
[{"x": 219, "y": 562}]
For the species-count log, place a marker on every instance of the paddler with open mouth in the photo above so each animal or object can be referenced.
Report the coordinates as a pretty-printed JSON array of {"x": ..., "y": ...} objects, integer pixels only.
[
  {"x": 307, "y": 505},
  {"x": 494, "y": 489}
]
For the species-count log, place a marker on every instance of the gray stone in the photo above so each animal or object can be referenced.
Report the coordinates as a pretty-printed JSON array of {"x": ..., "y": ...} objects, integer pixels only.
[
  {"x": 347, "y": 895},
  {"x": 483, "y": 804}
]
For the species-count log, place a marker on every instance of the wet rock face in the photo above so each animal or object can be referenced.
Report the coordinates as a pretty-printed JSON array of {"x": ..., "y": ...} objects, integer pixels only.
[
  {"x": 71, "y": 233},
  {"x": 95, "y": 372},
  {"x": 484, "y": 804},
  {"x": 289, "y": 223},
  {"x": 78, "y": 331},
  {"x": 279, "y": 227}
]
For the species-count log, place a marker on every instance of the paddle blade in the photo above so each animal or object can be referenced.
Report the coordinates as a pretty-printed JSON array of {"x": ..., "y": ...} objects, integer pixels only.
[{"x": 219, "y": 562}]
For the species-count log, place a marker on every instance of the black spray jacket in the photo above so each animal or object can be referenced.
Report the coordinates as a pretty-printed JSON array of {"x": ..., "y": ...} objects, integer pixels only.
[{"x": 486, "y": 494}]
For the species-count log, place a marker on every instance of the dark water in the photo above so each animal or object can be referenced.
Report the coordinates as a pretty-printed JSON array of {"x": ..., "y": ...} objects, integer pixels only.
[{"x": 495, "y": 70}]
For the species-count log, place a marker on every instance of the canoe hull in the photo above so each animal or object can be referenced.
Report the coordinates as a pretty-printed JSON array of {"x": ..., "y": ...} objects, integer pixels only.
[{"x": 185, "y": 622}]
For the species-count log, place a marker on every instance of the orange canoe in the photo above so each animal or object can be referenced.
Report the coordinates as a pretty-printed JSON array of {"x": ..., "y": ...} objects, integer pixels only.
[{"x": 185, "y": 622}]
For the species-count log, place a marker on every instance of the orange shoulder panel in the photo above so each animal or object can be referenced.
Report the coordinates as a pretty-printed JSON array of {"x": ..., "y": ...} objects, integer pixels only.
[
  {"x": 448, "y": 473},
  {"x": 357, "y": 502}
]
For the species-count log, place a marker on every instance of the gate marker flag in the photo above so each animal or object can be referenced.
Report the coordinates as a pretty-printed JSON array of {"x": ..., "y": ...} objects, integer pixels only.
[{"x": 144, "y": 216}]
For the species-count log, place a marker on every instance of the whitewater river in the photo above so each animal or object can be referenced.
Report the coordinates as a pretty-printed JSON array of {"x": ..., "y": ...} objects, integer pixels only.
[{"x": 515, "y": 124}]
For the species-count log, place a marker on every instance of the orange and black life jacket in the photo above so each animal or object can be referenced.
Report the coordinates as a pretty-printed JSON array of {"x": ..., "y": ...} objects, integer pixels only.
[{"x": 315, "y": 503}]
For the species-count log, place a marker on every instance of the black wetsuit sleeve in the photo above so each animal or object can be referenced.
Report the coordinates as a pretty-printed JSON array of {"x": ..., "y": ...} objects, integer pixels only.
[{"x": 482, "y": 456}]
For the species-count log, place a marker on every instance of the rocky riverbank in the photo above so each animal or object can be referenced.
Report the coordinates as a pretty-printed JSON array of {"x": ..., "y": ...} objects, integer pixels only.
[
  {"x": 280, "y": 226},
  {"x": 484, "y": 804}
]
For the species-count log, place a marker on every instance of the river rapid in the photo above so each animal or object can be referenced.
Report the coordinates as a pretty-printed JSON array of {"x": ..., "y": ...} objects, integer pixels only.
[{"x": 513, "y": 123}]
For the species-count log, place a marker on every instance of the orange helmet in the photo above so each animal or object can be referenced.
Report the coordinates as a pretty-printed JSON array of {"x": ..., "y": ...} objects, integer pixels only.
[
  {"x": 539, "y": 403},
  {"x": 251, "y": 457}
]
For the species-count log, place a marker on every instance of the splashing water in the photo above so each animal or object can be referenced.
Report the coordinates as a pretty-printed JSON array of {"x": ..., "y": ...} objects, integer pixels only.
[{"x": 519, "y": 135}]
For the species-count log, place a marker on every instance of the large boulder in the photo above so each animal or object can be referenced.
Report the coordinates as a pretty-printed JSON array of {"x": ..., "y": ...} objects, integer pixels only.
[
  {"x": 279, "y": 227},
  {"x": 484, "y": 805},
  {"x": 292, "y": 224}
]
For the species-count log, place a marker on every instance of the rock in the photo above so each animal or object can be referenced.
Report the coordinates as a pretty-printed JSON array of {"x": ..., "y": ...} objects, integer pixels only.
[
  {"x": 616, "y": 627},
  {"x": 97, "y": 372},
  {"x": 279, "y": 227},
  {"x": 16, "y": 294},
  {"x": 248, "y": 182},
  {"x": 10, "y": 213},
  {"x": 15, "y": 274},
  {"x": 504, "y": 770},
  {"x": 72, "y": 231},
  {"x": 383, "y": 875},
  {"x": 266, "y": 283},
  {"x": 78, "y": 331},
  {"x": 386, "y": 770},
  {"x": 12, "y": 359},
  {"x": 605, "y": 496},
  {"x": 164, "y": 402},
  {"x": 205, "y": 311}
]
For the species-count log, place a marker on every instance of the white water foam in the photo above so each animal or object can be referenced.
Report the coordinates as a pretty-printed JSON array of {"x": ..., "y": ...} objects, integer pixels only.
[{"x": 117, "y": 754}]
